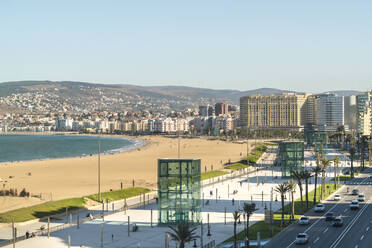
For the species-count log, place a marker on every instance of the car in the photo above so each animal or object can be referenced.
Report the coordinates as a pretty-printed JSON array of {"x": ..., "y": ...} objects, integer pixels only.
[
  {"x": 361, "y": 197},
  {"x": 329, "y": 216},
  {"x": 319, "y": 207},
  {"x": 337, "y": 197},
  {"x": 304, "y": 220},
  {"x": 302, "y": 238},
  {"x": 370, "y": 176},
  {"x": 355, "y": 192},
  {"x": 337, "y": 222},
  {"x": 354, "y": 204}
]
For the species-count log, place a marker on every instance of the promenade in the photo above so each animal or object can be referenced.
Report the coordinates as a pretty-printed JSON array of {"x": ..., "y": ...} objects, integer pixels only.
[{"x": 252, "y": 187}]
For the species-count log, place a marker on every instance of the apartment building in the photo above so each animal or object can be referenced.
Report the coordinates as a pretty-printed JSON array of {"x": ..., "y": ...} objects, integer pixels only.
[
  {"x": 364, "y": 113},
  {"x": 274, "y": 111},
  {"x": 329, "y": 112}
]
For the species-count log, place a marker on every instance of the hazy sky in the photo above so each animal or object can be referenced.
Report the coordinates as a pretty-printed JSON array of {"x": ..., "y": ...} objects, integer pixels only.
[{"x": 312, "y": 45}]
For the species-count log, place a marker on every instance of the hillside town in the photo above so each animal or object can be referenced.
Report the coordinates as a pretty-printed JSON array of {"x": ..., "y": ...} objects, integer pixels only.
[{"x": 324, "y": 112}]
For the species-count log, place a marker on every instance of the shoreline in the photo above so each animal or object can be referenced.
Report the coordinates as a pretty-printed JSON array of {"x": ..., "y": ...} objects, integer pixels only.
[
  {"x": 75, "y": 177},
  {"x": 136, "y": 143}
]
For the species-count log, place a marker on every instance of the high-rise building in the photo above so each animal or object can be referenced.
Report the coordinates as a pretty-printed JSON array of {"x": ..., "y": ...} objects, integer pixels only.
[
  {"x": 364, "y": 113},
  {"x": 350, "y": 110},
  {"x": 221, "y": 108},
  {"x": 206, "y": 110},
  {"x": 329, "y": 112},
  {"x": 275, "y": 111}
]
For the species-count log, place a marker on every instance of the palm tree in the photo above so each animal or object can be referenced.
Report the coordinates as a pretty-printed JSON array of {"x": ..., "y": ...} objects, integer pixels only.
[
  {"x": 316, "y": 171},
  {"x": 363, "y": 145},
  {"x": 282, "y": 189},
  {"x": 336, "y": 162},
  {"x": 292, "y": 188},
  {"x": 236, "y": 216},
  {"x": 182, "y": 234},
  {"x": 352, "y": 152},
  {"x": 297, "y": 175},
  {"x": 306, "y": 175},
  {"x": 325, "y": 164},
  {"x": 248, "y": 209}
]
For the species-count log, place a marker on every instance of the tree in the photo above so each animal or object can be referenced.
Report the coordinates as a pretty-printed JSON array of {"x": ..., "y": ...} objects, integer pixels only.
[
  {"x": 297, "y": 175},
  {"x": 363, "y": 146},
  {"x": 248, "y": 208},
  {"x": 236, "y": 216},
  {"x": 352, "y": 152},
  {"x": 282, "y": 189},
  {"x": 182, "y": 234},
  {"x": 292, "y": 188},
  {"x": 336, "y": 162},
  {"x": 306, "y": 175},
  {"x": 316, "y": 171},
  {"x": 325, "y": 164}
]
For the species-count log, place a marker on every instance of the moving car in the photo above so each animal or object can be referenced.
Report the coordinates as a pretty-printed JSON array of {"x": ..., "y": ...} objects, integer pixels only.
[
  {"x": 304, "y": 220},
  {"x": 302, "y": 238},
  {"x": 354, "y": 204},
  {"x": 337, "y": 197},
  {"x": 338, "y": 222},
  {"x": 319, "y": 207},
  {"x": 355, "y": 192},
  {"x": 329, "y": 216},
  {"x": 361, "y": 197}
]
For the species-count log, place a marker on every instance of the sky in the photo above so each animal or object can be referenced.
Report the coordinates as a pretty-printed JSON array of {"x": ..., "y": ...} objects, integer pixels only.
[{"x": 310, "y": 46}]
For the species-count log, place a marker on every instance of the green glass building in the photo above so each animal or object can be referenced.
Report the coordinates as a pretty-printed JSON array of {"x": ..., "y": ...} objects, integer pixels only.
[
  {"x": 291, "y": 155},
  {"x": 179, "y": 191},
  {"x": 318, "y": 139}
]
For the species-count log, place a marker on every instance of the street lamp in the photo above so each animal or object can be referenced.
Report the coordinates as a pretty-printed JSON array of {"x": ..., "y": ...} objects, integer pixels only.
[{"x": 99, "y": 165}]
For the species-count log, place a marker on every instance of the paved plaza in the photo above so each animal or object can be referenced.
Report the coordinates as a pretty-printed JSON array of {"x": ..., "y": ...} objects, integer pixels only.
[{"x": 219, "y": 198}]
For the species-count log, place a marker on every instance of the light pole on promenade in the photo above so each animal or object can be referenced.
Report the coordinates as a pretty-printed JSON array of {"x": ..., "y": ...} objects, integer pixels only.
[{"x": 99, "y": 166}]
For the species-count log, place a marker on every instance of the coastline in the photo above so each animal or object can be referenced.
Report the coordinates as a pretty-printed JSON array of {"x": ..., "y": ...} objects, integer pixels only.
[
  {"x": 63, "y": 178},
  {"x": 136, "y": 143}
]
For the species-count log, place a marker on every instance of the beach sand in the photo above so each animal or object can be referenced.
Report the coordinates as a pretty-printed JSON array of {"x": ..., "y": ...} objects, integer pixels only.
[{"x": 76, "y": 177}]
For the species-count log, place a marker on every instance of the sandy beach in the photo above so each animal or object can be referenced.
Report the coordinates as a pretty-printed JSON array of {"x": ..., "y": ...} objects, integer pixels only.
[{"x": 76, "y": 177}]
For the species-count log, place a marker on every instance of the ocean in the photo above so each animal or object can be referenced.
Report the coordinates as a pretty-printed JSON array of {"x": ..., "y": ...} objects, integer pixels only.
[{"x": 18, "y": 147}]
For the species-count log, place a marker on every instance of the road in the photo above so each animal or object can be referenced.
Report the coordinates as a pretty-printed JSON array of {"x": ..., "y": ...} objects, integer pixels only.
[{"x": 356, "y": 231}]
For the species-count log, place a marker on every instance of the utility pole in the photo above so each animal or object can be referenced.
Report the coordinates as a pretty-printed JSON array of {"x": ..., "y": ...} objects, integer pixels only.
[
  {"x": 179, "y": 145},
  {"x": 99, "y": 168},
  {"x": 271, "y": 216}
]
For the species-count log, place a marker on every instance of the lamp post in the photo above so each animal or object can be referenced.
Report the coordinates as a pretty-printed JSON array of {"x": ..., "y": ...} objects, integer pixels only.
[{"x": 99, "y": 166}]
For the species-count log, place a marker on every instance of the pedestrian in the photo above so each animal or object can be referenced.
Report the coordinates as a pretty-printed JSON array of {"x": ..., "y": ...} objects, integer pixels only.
[
  {"x": 233, "y": 201},
  {"x": 112, "y": 237}
]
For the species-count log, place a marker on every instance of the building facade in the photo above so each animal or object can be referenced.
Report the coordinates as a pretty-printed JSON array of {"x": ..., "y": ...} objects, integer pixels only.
[
  {"x": 329, "y": 112},
  {"x": 364, "y": 113},
  {"x": 221, "y": 108},
  {"x": 274, "y": 111}
]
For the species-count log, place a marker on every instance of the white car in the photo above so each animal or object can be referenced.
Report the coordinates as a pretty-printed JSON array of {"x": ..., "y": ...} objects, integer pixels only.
[
  {"x": 361, "y": 197},
  {"x": 304, "y": 220},
  {"x": 319, "y": 207},
  {"x": 302, "y": 238},
  {"x": 337, "y": 197},
  {"x": 354, "y": 204}
]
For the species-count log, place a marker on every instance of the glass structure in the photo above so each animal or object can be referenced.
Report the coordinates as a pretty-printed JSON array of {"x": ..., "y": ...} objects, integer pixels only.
[
  {"x": 291, "y": 155},
  {"x": 318, "y": 139},
  {"x": 179, "y": 187}
]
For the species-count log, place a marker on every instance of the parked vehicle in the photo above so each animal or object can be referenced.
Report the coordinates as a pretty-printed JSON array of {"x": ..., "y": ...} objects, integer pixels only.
[
  {"x": 338, "y": 222},
  {"x": 354, "y": 204},
  {"x": 355, "y": 192},
  {"x": 361, "y": 197},
  {"x": 304, "y": 220},
  {"x": 329, "y": 216},
  {"x": 302, "y": 238},
  {"x": 337, "y": 197},
  {"x": 319, "y": 207}
]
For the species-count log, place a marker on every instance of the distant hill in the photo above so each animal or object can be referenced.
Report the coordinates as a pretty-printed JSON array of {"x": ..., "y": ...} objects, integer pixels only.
[
  {"x": 83, "y": 96},
  {"x": 345, "y": 92}
]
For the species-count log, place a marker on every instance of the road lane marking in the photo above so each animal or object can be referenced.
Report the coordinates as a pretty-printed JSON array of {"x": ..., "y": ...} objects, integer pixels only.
[
  {"x": 318, "y": 221},
  {"x": 361, "y": 238},
  {"x": 325, "y": 230},
  {"x": 356, "y": 246},
  {"x": 367, "y": 228},
  {"x": 347, "y": 229},
  {"x": 316, "y": 240},
  {"x": 345, "y": 210}
]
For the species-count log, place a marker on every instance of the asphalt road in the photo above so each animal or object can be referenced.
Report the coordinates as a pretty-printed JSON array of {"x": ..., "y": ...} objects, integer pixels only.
[{"x": 356, "y": 231}]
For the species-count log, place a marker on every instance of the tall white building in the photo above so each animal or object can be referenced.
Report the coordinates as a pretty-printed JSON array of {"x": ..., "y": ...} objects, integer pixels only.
[
  {"x": 64, "y": 124},
  {"x": 329, "y": 112}
]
